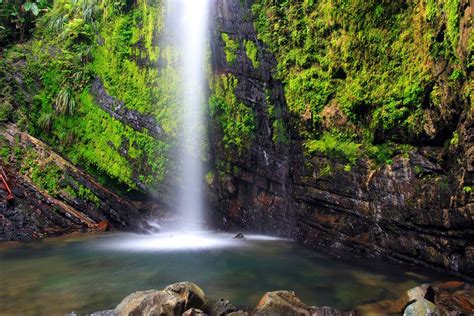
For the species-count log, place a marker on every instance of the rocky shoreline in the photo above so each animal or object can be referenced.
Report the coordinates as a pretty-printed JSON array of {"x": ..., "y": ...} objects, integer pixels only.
[{"x": 187, "y": 299}]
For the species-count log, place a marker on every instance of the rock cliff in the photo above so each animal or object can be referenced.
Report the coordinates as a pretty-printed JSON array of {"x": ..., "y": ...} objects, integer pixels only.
[{"x": 417, "y": 208}]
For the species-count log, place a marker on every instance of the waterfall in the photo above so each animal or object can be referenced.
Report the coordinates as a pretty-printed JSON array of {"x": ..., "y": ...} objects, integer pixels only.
[{"x": 189, "y": 18}]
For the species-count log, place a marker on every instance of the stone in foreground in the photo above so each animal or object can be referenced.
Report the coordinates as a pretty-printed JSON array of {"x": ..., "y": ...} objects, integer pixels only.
[
  {"x": 287, "y": 303},
  {"x": 187, "y": 299},
  {"x": 280, "y": 303}
]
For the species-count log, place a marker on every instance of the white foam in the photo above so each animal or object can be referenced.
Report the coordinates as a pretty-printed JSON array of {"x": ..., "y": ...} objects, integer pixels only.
[{"x": 179, "y": 241}]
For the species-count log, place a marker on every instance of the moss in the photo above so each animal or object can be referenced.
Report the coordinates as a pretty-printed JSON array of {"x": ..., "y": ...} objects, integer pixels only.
[
  {"x": 235, "y": 119},
  {"x": 78, "y": 190},
  {"x": 451, "y": 9},
  {"x": 335, "y": 147},
  {"x": 251, "y": 50},
  {"x": 231, "y": 48},
  {"x": 326, "y": 170},
  {"x": 455, "y": 139},
  {"x": 47, "y": 177},
  {"x": 210, "y": 177},
  {"x": 280, "y": 134},
  {"x": 373, "y": 60}
]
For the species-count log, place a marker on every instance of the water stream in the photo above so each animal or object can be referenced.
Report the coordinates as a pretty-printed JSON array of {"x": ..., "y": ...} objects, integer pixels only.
[{"x": 190, "y": 18}]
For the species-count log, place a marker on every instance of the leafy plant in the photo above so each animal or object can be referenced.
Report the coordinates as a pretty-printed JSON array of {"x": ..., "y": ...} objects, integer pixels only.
[
  {"x": 65, "y": 102},
  {"x": 18, "y": 17}
]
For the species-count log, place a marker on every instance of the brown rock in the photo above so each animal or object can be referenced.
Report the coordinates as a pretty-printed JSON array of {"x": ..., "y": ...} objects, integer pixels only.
[
  {"x": 103, "y": 226},
  {"x": 450, "y": 285},
  {"x": 332, "y": 116},
  {"x": 463, "y": 302},
  {"x": 281, "y": 303},
  {"x": 424, "y": 291},
  {"x": 151, "y": 302},
  {"x": 192, "y": 295},
  {"x": 174, "y": 300}
]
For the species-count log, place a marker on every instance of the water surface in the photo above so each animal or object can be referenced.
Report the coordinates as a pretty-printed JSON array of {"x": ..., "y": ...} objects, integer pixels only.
[{"x": 86, "y": 273}]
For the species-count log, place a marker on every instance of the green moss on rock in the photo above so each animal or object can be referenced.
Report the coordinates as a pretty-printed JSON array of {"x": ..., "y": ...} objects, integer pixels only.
[{"x": 235, "y": 119}]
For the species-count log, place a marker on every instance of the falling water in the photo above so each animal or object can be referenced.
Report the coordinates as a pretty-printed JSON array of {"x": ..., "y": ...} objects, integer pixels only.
[{"x": 190, "y": 17}]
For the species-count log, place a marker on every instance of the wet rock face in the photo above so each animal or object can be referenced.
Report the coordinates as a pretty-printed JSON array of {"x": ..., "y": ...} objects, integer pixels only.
[
  {"x": 32, "y": 214},
  {"x": 419, "y": 209},
  {"x": 413, "y": 211},
  {"x": 250, "y": 191}
]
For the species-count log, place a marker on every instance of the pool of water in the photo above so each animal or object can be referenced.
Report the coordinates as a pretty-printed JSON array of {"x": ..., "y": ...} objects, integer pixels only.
[{"x": 86, "y": 273}]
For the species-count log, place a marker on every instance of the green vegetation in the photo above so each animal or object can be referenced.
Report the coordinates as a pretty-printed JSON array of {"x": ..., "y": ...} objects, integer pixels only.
[
  {"x": 76, "y": 41},
  {"x": 331, "y": 146},
  {"x": 373, "y": 61},
  {"x": 455, "y": 140},
  {"x": 234, "y": 118},
  {"x": 210, "y": 177},
  {"x": 279, "y": 132},
  {"x": 47, "y": 175},
  {"x": 18, "y": 17},
  {"x": 251, "y": 49},
  {"x": 451, "y": 9},
  {"x": 231, "y": 48}
]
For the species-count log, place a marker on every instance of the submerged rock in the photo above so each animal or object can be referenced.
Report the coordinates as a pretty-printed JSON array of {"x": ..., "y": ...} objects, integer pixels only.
[
  {"x": 449, "y": 298},
  {"x": 239, "y": 236}
]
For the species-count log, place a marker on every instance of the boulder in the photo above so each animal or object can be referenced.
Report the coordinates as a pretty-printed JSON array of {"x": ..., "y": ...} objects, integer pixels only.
[
  {"x": 152, "y": 302},
  {"x": 281, "y": 303},
  {"x": 449, "y": 298},
  {"x": 420, "y": 307},
  {"x": 192, "y": 295},
  {"x": 221, "y": 307}
]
